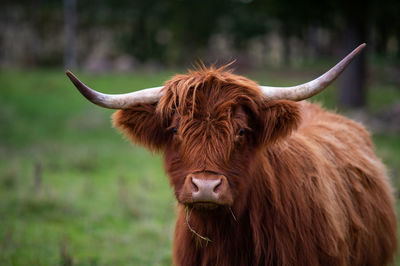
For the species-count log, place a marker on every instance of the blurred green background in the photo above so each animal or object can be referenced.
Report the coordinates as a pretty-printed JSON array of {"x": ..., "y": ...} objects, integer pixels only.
[{"x": 72, "y": 190}]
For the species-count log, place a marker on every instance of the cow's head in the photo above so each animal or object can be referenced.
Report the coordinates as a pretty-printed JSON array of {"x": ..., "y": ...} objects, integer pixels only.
[{"x": 211, "y": 126}]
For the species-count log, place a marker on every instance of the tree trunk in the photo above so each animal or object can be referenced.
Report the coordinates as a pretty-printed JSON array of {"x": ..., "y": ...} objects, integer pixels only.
[
  {"x": 398, "y": 44},
  {"x": 313, "y": 46},
  {"x": 70, "y": 18},
  {"x": 352, "y": 83},
  {"x": 382, "y": 39},
  {"x": 286, "y": 48}
]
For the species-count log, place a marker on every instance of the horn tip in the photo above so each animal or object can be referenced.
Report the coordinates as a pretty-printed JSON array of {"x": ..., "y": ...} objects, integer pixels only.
[
  {"x": 361, "y": 47},
  {"x": 70, "y": 74}
]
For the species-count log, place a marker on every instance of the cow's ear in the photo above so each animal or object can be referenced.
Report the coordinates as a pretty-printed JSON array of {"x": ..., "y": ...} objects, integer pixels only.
[
  {"x": 276, "y": 120},
  {"x": 141, "y": 124}
]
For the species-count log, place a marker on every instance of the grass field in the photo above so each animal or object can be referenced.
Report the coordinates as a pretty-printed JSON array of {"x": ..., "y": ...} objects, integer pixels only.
[{"x": 73, "y": 191}]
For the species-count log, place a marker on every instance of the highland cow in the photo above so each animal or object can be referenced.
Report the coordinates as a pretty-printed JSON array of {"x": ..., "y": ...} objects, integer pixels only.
[{"x": 261, "y": 177}]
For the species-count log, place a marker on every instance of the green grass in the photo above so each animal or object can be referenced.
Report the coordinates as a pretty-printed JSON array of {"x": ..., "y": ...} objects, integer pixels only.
[
  {"x": 71, "y": 189},
  {"x": 96, "y": 200}
]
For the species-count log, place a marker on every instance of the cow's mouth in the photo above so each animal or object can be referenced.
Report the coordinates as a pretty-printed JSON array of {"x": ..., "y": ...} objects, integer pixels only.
[{"x": 204, "y": 205}]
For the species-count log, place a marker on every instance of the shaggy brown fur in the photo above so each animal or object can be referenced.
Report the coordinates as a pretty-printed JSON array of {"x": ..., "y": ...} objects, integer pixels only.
[{"x": 307, "y": 187}]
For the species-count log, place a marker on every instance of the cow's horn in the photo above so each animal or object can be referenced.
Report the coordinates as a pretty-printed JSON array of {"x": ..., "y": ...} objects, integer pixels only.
[
  {"x": 116, "y": 101},
  {"x": 306, "y": 90}
]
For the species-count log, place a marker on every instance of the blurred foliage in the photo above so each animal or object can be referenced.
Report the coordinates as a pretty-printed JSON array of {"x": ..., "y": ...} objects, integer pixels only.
[{"x": 180, "y": 31}]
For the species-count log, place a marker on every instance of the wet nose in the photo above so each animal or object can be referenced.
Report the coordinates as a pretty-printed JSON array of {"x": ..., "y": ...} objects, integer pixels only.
[{"x": 206, "y": 187}]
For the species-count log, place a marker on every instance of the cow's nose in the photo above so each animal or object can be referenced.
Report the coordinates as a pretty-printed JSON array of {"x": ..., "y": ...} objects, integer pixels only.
[{"x": 205, "y": 187}]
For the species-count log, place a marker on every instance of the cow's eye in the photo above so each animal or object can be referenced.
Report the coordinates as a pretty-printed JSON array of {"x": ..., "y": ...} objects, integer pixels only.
[
  {"x": 241, "y": 132},
  {"x": 174, "y": 130}
]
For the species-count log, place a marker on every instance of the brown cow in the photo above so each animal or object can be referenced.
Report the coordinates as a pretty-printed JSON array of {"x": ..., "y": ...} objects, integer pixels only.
[{"x": 261, "y": 177}]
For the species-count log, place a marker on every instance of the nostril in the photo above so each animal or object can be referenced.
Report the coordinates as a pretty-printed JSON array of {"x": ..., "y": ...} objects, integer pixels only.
[
  {"x": 218, "y": 186},
  {"x": 195, "y": 188}
]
